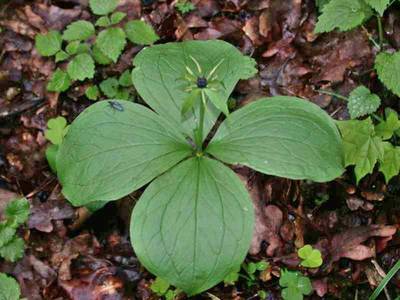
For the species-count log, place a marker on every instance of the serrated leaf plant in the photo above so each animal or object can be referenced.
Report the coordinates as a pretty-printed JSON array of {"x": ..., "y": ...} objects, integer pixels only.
[
  {"x": 82, "y": 46},
  {"x": 11, "y": 245},
  {"x": 193, "y": 224},
  {"x": 9, "y": 288}
]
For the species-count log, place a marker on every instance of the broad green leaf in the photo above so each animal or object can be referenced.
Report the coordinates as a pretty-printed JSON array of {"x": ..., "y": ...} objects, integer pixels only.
[
  {"x": 17, "y": 211},
  {"x": 379, "y": 5},
  {"x": 51, "y": 156},
  {"x": 9, "y": 288},
  {"x": 218, "y": 101},
  {"x": 139, "y": 32},
  {"x": 343, "y": 15},
  {"x": 14, "y": 250},
  {"x": 388, "y": 67},
  {"x": 79, "y": 31},
  {"x": 109, "y": 87},
  {"x": 100, "y": 57},
  {"x": 390, "y": 164},
  {"x": 92, "y": 92},
  {"x": 111, "y": 42},
  {"x": 386, "y": 128},
  {"x": 61, "y": 56},
  {"x": 7, "y": 233},
  {"x": 310, "y": 258},
  {"x": 117, "y": 17},
  {"x": 103, "y": 7},
  {"x": 81, "y": 67},
  {"x": 113, "y": 148},
  {"x": 193, "y": 225},
  {"x": 48, "y": 44},
  {"x": 160, "y": 69},
  {"x": 282, "y": 136},
  {"x": 362, "y": 147},
  {"x": 362, "y": 102},
  {"x": 59, "y": 82},
  {"x": 57, "y": 129}
]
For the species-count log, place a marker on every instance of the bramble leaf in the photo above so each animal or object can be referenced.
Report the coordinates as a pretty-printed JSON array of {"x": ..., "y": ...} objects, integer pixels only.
[
  {"x": 78, "y": 31},
  {"x": 343, "y": 15},
  {"x": 390, "y": 164},
  {"x": 117, "y": 17},
  {"x": 61, "y": 56},
  {"x": 81, "y": 67},
  {"x": 282, "y": 136},
  {"x": 100, "y": 57},
  {"x": 310, "y": 258},
  {"x": 103, "y": 21},
  {"x": 17, "y": 211},
  {"x": 103, "y": 7},
  {"x": 125, "y": 79},
  {"x": 57, "y": 129},
  {"x": 119, "y": 146},
  {"x": 362, "y": 147},
  {"x": 362, "y": 102},
  {"x": 388, "y": 68},
  {"x": 111, "y": 42},
  {"x": 14, "y": 250},
  {"x": 48, "y": 44},
  {"x": 72, "y": 47},
  {"x": 200, "y": 220},
  {"x": 92, "y": 92},
  {"x": 386, "y": 128},
  {"x": 9, "y": 288},
  {"x": 379, "y": 5},
  {"x": 160, "y": 68},
  {"x": 59, "y": 82},
  {"x": 109, "y": 87},
  {"x": 7, "y": 233},
  {"x": 139, "y": 32}
]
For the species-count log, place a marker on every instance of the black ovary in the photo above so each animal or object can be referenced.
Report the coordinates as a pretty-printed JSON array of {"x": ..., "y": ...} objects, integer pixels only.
[{"x": 202, "y": 82}]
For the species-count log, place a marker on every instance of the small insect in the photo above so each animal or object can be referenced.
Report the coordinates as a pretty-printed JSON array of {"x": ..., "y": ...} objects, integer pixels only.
[{"x": 116, "y": 106}]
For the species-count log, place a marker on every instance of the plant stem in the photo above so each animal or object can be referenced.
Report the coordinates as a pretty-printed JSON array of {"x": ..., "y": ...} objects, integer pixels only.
[
  {"x": 376, "y": 117},
  {"x": 371, "y": 38},
  {"x": 333, "y": 94},
  {"x": 380, "y": 30},
  {"x": 199, "y": 135}
]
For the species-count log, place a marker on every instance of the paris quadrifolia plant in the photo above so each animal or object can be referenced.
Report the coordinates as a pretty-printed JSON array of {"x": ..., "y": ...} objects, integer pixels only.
[{"x": 193, "y": 224}]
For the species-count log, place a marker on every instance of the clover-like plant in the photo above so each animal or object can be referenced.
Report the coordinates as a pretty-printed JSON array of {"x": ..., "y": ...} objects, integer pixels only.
[{"x": 193, "y": 224}]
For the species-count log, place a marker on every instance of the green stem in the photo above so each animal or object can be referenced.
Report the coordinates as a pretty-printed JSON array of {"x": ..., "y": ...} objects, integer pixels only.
[
  {"x": 380, "y": 31},
  {"x": 385, "y": 281},
  {"x": 333, "y": 94},
  {"x": 199, "y": 135},
  {"x": 376, "y": 117},
  {"x": 371, "y": 38}
]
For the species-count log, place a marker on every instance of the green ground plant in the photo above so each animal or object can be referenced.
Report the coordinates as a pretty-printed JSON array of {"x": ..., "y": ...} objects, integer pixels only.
[
  {"x": 9, "y": 288},
  {"x": 11, "y": 245},
  {"x": 184, "y": 6},
  {"x": 294, "y": 285},
  {"x": 193, "y": 224}
]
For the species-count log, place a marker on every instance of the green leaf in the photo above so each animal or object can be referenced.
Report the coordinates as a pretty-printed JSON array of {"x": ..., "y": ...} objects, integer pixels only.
[
  {"x": 190, "y": 102},
  {"x": 61, "y": 56},
  {"x": 111, "y": 42},
  {"x": 385, "y": 129},
  {"x": 48, "y": 44},
  {"x": 320, "y": 4},
  {"x": 100, "y": 57},
  {"x": 232, "y": 277},
  {"x": 390, "y": 164},
  {"x": 379, "y": 5},
  {"x": 282, "y": 136},
  {"x": 122, "y": 94},
  {"x": 17, "y": 211},
  {"x": 310, "y": 258},
  {"x": 139, "y": 32},
  {"x": 72, "y": 47},
  {"x": 185, "y": 7},
  {"x": 109, "y": 87},
  {"x": 160, "y": 286},
  {"x": 119, "y": 146},
  {"x": 79, "y": 31},
  {"x": 193, "y": 225},
  {"x": 59, "y": 82},
  {"x": 160, "y": 68},
  {"x": 294, "y": 285},
  {"x": 9, "y": 288},
  {"x": 388, "y": 68},
  {"x": 103, "y": 7},
  {"x": 343, "y": 15},
  {"x": 81, "y": 67},
  {"x": 218, "y": 100},
  {"x": 57, "y": 129},
  {"x": 92, "y": 92},
  {"x": 262, "y": 265},
  {"x": 361, "y": 147},
  {"x": 362, "y": 102},
  {"x": 14, "y": 250},
  {"x": 117, "y": 17},
  {"x": 51, "y": 156},
  {"x": 125, "y": 79},
  {"x": 7, "y": 233},
  {"x": 103, "y": 22}
]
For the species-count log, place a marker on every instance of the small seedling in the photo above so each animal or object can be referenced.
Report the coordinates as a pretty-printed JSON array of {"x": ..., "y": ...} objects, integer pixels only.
[
  {"x": 184, "y": 6},
  {"x": 294, "y": 285},
  {"x": 56, "y": 130},
  {"x": 16, "y": 214},
  {"x": 193, "y": 224},
  {"x": 163, "y": 289},
  {"x": 250, "y": 273},
  {"x": 310, "y": 258},
  {"x": 9, "y": 288}
]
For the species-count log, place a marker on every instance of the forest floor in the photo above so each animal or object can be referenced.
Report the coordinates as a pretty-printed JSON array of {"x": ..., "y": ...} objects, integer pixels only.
[{"x": 71, "y": 254}]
